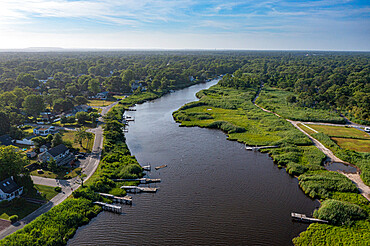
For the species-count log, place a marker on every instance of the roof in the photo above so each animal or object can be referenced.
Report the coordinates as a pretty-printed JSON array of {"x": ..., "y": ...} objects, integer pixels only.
[
  {"x": 6, "y": 140},
  {"x": 8, "y": 185},
  {"x": 60, "y": 149}
]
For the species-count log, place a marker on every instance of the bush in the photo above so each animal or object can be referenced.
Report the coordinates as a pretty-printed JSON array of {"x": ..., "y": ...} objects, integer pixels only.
[
  {"x": 13, "y": 218},
  {"x": 338, "y": 213},
  {"x": 58, "y": 189},
  {"x": 318, "y": 184},
  {"x": 226, "y": 127},
  {"x": 117, "y": 192}
]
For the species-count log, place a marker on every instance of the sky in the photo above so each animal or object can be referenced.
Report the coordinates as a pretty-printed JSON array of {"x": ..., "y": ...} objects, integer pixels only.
[{"x": 186, "y": 24}]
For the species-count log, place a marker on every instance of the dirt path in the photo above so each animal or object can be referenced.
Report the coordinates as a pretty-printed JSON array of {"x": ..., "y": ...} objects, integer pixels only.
[{"x": 354, "y": 177}]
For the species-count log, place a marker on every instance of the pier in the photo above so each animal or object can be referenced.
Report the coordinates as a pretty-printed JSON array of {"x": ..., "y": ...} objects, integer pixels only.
[
  {"x": 109, "y": 207},
  {"x": 147, "y": 167},
  {"x": 259, "y": 147},
  {"x": 141, "y": 180},
  {"x": 304, "y": 218},
  {"x": 136, "y": 189},
  {"x": 118, "y": 199}
]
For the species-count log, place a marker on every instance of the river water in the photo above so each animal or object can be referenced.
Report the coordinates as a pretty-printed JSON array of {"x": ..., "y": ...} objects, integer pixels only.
[{"x": 213, "y": 191}]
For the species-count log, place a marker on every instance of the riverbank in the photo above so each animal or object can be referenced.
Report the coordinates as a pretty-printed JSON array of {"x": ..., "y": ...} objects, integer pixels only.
[
  {"x": 234, "y": 109},
  {"x": 116, "y": 163}
]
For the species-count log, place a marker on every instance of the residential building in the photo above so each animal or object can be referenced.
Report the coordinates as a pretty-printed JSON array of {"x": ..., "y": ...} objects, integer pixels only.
[
  {"x": 9, "y": 189},
  {"x": 60, "y": 154},
  {"x": 44, "y": 130}
]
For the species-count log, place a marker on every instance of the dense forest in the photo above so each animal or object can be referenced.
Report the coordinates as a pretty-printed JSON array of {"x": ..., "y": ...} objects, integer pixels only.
[{"x": 33, "y": 82}]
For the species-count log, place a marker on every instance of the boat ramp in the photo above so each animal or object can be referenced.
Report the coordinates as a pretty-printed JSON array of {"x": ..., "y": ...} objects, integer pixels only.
[
  {"x": 136, "y": 189},
  {"x": 304, "y": 218}
]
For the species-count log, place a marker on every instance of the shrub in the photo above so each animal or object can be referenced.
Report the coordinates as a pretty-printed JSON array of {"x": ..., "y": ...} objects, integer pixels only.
[
  {"x": 226, "y": 127},
  {"x": 318, "y": 184},
  {"x": 58, "y": 189},
  {"x": 337, "y": 212},
  {"x": 13, "y": 218}
]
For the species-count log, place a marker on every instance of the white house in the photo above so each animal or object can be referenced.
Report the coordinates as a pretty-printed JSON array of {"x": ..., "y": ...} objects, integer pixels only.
[
  {"x": 9, "y": 189},
  {"x": 44, "y": 130}
]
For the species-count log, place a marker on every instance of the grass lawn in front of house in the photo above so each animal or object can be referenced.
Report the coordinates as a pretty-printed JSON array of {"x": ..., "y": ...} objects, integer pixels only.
[
  {"x": 69, "y": 136},
  {"x": 99, "y": 103},
  {"x": 18, "y": 206}
]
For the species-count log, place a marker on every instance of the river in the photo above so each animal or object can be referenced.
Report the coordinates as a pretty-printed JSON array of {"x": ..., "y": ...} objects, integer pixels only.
[{"x": 213, "y": 191}]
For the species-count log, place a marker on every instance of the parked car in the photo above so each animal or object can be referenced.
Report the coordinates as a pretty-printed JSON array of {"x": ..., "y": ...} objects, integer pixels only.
[{"x": 367, "y": 129}]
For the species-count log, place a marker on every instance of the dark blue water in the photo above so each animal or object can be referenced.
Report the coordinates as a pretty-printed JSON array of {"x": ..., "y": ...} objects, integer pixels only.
[{"x": 213, "y": 191}]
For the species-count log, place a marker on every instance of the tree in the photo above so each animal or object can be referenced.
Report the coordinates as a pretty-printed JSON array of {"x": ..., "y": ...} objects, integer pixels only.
[
  {"x": 4, "y": 123},
  {"x": 94, "y": 86},
  {"x": 82, "y": 117},
  {"x": 27, "y": 80},
  {"x": 81, "y": 100},
  {"x": 94, "y": 116},
  {"x": 11, "y": 162},
  {"x": 33, "y": 105},
  {"x": 80, "y": 135},
  {"x": 57, "y": 139}
]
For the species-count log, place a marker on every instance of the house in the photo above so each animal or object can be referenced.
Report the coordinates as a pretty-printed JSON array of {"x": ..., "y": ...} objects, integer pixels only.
[
  {"x": 60, "y": 154},
  {"x": 102, "y": 95},
  {"x": 81, "y": 108},
  {"x": 30, "y": 154},
  {"x": 44, "y": 147},
  {"x": 26, "y": 141},
  {"x": 44, "y": 130},
  {"x": 6, "y": 140},
  {"x": 136, "y": 85},
  {"x": 9, "y": 189}
]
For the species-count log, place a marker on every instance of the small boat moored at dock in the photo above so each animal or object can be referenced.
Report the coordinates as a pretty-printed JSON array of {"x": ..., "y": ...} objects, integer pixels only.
[{"x": 159, "y": 167}]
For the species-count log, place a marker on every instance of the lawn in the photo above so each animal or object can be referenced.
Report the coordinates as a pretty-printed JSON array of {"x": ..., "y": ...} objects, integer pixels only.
[
  {"x": 360, "y": 145},
  {"x": 340, "y": 131},
  {"x": 64, "y": 173},
  {"x": 305, "y": 128},
  {"x": 69, "y": 136},
  {"x": 19, "y": 207},
  {"x": 47, "y": 192},
  {"x": 99, "y": 103}
]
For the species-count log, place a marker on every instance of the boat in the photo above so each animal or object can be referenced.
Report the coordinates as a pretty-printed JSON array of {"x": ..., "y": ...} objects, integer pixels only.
[{"x": 156, "y": 168}]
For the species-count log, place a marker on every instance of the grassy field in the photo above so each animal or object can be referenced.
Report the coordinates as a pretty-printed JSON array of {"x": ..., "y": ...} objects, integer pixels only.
[
  {"x": 305, "y": 128},
  {"x": 345, "y": 137},
  {"x": 275, "y": 100},
  {"x": 69, "y": 136},
  {"x": 99, "y": 103},
  {"x": 340, "y": 131},
  {"x": 359, "y": 145}
]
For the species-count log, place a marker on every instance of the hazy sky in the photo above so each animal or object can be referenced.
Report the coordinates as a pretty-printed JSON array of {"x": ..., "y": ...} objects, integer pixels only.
[{"x": 186, "y": 24}]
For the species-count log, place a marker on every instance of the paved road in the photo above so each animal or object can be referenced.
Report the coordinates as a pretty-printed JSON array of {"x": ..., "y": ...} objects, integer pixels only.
[{"x": 89, "y": 166}]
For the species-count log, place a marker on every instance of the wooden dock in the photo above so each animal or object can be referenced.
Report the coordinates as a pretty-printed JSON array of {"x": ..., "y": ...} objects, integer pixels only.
[
  {"x": 304, "y": 218},
  {"x": 109, "y": 207},
  {"x": 259, "y": 147},
  {"x": 147, "y": 167},
  {"x": 118, "y": 199},
  {"x": 141, "y": 180},
  {"x": 136, "y": 189}
]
